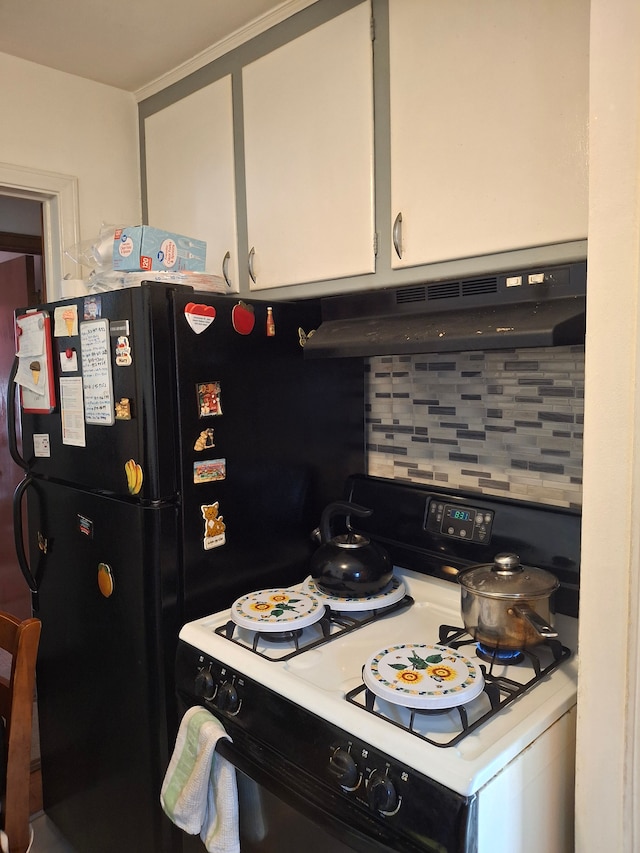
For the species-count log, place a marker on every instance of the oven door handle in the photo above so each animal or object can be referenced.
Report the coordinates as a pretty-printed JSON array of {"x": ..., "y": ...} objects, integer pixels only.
[{"x": 327, "y": 808}]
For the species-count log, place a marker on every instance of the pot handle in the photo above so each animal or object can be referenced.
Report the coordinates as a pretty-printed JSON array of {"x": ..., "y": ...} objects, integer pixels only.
[
  {"x": 535, "y": 620},
  {"x": 339, "y": 508}
]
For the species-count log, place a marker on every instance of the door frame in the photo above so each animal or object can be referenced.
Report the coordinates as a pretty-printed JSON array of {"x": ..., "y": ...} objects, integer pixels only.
[{"x": 58, "y": 195}]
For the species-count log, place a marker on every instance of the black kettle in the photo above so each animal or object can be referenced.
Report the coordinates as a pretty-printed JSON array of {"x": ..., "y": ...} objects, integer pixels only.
[{"x": 349, "y": 564}]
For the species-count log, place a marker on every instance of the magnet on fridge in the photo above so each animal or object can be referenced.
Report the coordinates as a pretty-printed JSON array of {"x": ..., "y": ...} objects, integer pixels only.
[
  {"x": 123, "y": 352},
  {"x": 35, "y": 367},
  {"x": 208, "y": 399},
  {"x": 65, "y": 321},
  {"x": 134, "y": 476},
  {"x": 214, "y": 526},
  {"x": 271, "y": 323},
  {"x": 35, "y": 372},
  {"x": 85, "y": 526},
  {"x": 204, "y": 440},
  {"x": 209, "y": 470},
  {"x": 199, "y": 316},
  {"x": 105, "y": 580},
  {"x": 69, "y": 360},
  {"x": 41, "y": 445},
  {"x": 303, "y": 336},
  {"x": 243, "y": 318},
  {"x": 123, "y": 409},
  {"x": 92, "y": 309}
]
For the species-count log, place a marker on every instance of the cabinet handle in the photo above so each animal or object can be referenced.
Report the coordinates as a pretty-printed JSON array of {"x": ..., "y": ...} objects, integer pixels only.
[
  {"x": 397, "y": 235},
  {"x": 225, "y": 269},
  {"x": 252, "y": 254}
]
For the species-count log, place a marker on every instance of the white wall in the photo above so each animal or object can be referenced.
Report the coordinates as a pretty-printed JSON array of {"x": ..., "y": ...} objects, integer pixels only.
[
  {"x": 607, "y": 813},
  {"x": 20, "y": 216},
  {"x": 64, "y": 124}
]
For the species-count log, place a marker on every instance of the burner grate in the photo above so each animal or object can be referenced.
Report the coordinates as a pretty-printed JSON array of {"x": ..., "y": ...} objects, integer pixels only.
[
  {"x": 332, "y": 625},
  {"x": 456, "y": 638},
  {"x": 499, "y": 691}
]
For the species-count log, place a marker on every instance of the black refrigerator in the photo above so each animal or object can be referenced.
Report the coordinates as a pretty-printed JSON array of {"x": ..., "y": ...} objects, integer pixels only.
[{"x": 179, "y": 457}]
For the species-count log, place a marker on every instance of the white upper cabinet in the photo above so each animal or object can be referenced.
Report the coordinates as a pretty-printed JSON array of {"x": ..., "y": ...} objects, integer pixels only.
[
  {"x": 190, "y": 174},
  {"x": 488, "y": 126},
  {"x": 308, "y": 135}
]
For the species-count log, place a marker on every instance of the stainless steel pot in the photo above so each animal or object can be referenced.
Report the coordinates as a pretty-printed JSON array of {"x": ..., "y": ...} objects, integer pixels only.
[{"x": 506, "y": 605}]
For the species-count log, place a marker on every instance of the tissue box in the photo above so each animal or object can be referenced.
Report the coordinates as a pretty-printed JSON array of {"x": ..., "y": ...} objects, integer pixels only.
[{"x": 143, "y": 248}]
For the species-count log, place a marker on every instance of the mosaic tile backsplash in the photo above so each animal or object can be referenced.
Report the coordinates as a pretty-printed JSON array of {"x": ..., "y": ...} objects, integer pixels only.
[{"x": 502, "y": 422}]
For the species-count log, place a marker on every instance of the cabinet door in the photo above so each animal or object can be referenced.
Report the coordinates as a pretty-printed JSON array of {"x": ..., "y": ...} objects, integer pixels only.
[
  {"x": 488, "y": 126},
  {"x": 308, "y": 123},
  {"x": 190, "y": 173}
]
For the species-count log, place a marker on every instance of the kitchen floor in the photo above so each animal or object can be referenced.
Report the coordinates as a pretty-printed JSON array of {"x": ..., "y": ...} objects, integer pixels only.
[{"x": 46, "y": 838}]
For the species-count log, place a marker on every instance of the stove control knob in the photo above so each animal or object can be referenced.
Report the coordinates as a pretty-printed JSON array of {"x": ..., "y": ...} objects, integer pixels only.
[
  {"x": 228, "y": 699},
  {"x": 345, "y": 769},
  {"x": 381, "y": 793},
  {"x": 204, "y": 685}
]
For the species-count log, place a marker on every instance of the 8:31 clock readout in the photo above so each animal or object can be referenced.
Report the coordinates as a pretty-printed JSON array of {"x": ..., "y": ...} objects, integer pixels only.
[{"x": 458, "y": 514}]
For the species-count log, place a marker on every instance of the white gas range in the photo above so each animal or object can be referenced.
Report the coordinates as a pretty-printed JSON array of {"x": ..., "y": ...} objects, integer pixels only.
[{"x": 314, "y": 719}]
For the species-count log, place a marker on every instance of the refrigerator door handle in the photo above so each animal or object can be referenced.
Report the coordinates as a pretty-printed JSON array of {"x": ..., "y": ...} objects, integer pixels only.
[
  {"x": 11, "y": 419},
  {"x": 18, "y": 533}
]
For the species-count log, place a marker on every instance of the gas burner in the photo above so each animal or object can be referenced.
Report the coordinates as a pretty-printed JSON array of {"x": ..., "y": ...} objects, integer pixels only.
[
  {"x": 392, "y": 593},
  {"x": 423, "y": 677},
  {"x": 541, "y": 659},
  {"x": 276, "y": 611},
  {"x": 282, "y": 623},
  {"x": 500, "y": 683},
  {"x": 442, "y": 727},
  {"x": 494, "y": 655},
  {"x": 280, "y": 636}
]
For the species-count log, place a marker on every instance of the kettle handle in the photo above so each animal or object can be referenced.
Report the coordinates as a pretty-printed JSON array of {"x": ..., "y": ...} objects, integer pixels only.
[{"x": 339, "y": 508}]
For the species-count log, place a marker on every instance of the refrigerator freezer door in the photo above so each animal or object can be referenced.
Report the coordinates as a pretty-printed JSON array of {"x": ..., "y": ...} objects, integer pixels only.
[
  {"x": 107, "y": 601},
  {"x": 113, "y": 366}
]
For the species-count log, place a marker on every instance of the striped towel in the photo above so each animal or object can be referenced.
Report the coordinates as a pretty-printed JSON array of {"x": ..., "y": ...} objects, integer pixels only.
[{"x": 199, "y": 792}]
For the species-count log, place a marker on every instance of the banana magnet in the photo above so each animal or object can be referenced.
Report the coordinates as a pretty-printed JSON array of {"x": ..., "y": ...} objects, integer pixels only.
[{"x": 134, "y": 476}]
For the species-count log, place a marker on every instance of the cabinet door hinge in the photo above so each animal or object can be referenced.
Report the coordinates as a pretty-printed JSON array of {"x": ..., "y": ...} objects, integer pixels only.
[
  {"x": 375, "y": 243},
  {"x": 372, "y": 28}
]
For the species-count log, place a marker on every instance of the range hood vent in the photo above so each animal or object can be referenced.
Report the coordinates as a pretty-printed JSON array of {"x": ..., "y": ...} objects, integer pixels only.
[{"x": 523, "y": 308}]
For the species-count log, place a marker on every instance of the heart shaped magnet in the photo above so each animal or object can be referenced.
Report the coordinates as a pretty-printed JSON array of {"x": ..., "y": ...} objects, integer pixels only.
[{"x": 199, "y": 316}]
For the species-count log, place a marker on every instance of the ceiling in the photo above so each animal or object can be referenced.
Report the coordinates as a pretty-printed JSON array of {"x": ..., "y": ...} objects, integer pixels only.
[{"x": 129, "y": 43}]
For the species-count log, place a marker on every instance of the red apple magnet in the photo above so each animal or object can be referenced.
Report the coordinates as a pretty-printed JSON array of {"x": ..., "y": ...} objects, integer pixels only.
[
  {"x": 243, "y": 318},
  {"x": 199, "y": 316}
]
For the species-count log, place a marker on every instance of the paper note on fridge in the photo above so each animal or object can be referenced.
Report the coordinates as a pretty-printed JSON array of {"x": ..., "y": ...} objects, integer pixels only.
[
  {"x": 34, "y": 373},
  {"x": 29, "y": 373},
  {"x": 65, "y": 321},
  {"x": 30, "y": 335},
  {"x": 32, "y": 365}
]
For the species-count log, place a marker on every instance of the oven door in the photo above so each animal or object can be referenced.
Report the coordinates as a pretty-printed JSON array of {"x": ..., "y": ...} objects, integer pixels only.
[{"x": 283, "y": 811}]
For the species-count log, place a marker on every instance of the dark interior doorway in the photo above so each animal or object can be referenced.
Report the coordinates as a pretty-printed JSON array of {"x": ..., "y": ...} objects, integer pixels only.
[{"x": 22, "y": 284}]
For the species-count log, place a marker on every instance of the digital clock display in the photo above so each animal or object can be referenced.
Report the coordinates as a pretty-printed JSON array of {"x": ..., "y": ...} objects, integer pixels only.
[
  {"x": 459, "y": 514},
  {"x": 467, "y": 523}
]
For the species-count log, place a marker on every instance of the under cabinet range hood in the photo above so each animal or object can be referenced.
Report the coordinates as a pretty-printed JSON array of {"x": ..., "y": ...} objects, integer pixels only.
[{"x": 536, "y": 307}]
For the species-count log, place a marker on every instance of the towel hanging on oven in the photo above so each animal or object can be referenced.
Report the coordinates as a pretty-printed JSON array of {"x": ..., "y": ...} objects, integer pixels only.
[{"x": 199, "y": 793}]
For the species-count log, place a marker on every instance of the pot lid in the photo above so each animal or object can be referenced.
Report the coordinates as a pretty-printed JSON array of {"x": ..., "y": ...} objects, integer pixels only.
[
  {"x": 423, "y": 677},
  {"x": 276, "y": 610},
  {"x": 506, "y": 577}
]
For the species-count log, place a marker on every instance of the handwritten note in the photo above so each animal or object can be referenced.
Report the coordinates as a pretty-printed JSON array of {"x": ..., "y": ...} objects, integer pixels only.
[{"x": 96, "y": 373}]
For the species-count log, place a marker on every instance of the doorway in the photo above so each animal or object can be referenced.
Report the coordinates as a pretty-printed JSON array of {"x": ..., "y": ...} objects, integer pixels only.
[{"x": 21, "y": 286}]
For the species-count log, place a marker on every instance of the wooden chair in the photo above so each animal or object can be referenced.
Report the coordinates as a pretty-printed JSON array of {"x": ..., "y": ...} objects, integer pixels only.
[{"x": 20, "y": 639}]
